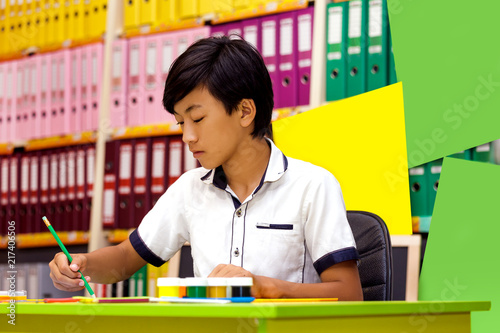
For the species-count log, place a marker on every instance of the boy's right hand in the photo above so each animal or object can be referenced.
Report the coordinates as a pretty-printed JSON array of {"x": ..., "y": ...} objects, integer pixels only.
[{"x": 65, "y": 276}]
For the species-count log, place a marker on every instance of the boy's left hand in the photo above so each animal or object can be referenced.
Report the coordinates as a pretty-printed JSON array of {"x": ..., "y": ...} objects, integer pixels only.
[
  {"x": 262, "y": 286},
  {"x": 224, "y": 270}
]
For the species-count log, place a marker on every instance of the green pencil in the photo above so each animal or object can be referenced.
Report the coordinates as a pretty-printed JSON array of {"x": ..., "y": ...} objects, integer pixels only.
[{"x": 63, "y": 248}]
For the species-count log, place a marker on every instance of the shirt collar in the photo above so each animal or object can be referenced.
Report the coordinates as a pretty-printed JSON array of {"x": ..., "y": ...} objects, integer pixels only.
[{"x": 276, "y": 167}]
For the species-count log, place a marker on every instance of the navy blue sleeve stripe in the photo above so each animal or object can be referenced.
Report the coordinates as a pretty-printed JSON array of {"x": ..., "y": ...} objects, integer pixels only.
[
  {"x": 145, "y": 253},
  {"x": 332, "y": 258}
]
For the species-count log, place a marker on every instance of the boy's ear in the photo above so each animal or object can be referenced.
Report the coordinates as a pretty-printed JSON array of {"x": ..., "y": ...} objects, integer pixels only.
[{"x": 248, "y": 111}]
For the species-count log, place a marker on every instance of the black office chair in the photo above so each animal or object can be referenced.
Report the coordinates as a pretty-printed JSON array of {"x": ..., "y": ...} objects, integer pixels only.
[{"x": 374, "y": 247}]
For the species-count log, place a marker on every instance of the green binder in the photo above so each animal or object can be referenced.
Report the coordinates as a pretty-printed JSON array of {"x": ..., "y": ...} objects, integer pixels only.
[
  {"x": 392, "y": 66},
  {"x": 433, "y": 172},
  {"x": 483, "y": 153},
  {"x": 419, "y": 191},
  {"x": 142, "y": 281},
  {"x": 138, "y": 283},
  {"x": 464, "y": 155},
  {"x": 356, "y": 47},
  {"x": 336, "y": 51},
  {"x": 378, "y": 28}
]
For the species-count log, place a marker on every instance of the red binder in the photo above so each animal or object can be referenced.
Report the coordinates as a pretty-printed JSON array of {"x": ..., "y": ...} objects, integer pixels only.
[
  {"x": 24, "y": 177},
  {"x": 64, "y": 219},
  {"x": 159, "y": 163},
  {"x": 175, "y": 159},
  {"x": 109, "y": 195},
  {"x": 89, "y": 185},
  {"x": 4, "y": 192},
  {"x": 54, "y": 189},
  {"x": 71, "y": 189},
  {"x": 80, "y": 212},
  {"x": 14, "y": 193},
  {"x": 125, "y": 197},
  {"x": 34, "y": 192},
  {"x": 141, "y": 180},
  {"x": 44, "y": 182}
]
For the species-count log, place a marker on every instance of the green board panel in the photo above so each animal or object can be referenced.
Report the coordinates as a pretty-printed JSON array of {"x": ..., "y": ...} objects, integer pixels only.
[
  {"x": 462, "y": 248},
  {"x": 448, "y": 57}
]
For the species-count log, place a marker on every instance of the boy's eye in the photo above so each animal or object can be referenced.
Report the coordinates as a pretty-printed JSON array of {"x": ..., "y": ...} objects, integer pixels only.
[
  {"x": 180, "y": 123},
  {"x": 198, "y": 120}
]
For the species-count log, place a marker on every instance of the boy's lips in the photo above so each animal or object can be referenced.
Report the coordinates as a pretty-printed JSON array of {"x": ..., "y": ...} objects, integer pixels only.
[{"x": 197, "y": 153}]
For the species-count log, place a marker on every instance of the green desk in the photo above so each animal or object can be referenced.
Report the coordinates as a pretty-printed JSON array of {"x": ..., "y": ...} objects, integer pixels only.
[{"x": 400, "y": 317}]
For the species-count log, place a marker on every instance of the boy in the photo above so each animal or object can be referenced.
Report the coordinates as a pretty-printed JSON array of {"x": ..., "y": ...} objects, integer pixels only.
[{"x": 250, "y": 210}]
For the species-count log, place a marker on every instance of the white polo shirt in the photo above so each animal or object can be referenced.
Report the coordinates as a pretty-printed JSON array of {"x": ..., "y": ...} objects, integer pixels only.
[{"x": 292, "y": 227}]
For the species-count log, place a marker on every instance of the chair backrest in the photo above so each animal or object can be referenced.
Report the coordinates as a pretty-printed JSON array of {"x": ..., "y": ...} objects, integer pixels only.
[{"x": 374, "y": 246}]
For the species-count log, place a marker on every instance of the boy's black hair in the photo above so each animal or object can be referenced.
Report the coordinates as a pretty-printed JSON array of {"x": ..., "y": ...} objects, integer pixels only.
[{"x": 231, "y": 70}]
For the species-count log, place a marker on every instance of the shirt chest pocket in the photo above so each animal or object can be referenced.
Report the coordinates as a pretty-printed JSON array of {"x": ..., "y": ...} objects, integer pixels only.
[{"x": 277, "y": 249}]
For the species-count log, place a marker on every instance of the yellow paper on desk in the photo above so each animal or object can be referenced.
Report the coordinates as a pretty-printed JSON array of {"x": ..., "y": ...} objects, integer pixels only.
[{"x": 361, "y": 140}]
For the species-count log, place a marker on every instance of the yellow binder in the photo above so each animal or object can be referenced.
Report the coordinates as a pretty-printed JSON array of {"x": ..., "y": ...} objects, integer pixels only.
[
  {"x": 3, "y": 29},
  {"x": 188, "y": 9},
  {"x": 207, "y": 8},
  {"x": 68, "y": 20},
  {"x": 168, "y": 11},
  {"x": 242, "y": 4},
  {"x": 87, "y": 11},
  {"x": 97, "y": 18},
  {"x": 132, "y": 14},
  {"x": 40, "y": 22},
  {"x": 58, "y": 24},
  {"x": 18, "y": 36},
  {"x": 148, "y": 12},
  {"x": 78, "y": 10}
]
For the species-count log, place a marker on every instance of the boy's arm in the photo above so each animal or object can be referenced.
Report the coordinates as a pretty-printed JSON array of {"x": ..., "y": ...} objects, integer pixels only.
[
  {"x": 339, "y": 281},
  {"x": 107, "y": 265}
]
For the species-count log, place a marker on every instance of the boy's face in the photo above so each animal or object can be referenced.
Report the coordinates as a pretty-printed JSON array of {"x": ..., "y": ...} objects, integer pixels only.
[{"x": 213, "y": 136}]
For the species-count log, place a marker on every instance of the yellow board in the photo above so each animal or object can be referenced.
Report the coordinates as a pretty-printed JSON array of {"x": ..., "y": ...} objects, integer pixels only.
[{"x": 362, "y": 141}]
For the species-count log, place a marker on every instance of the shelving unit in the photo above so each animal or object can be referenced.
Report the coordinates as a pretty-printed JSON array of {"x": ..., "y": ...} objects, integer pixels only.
[{"x": 97, "y": 237}]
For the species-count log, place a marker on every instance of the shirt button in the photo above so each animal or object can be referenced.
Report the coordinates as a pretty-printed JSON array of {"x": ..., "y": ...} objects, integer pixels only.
[
  {"x": 236, "y": 252},
  {"x": 238, "y": 213}
]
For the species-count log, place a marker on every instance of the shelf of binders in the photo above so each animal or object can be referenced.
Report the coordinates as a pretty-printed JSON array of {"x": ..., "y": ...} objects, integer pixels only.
[
  {"x": 45, "y": 239},
  {"x": 258, "y": 10},
  {"x": 169, "y": 128},
  {"x": 142, "y": 18},
  {"x": 118, "y": 235},
  {"x": 42, "y": 26},
  {"x": 161, "y": 129},
  {"x": 61, "y": 141},
  {"x": 424, "y": 183},
  {"x": 6, "y": 148},
  {"x": 163, "y": 27}
]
